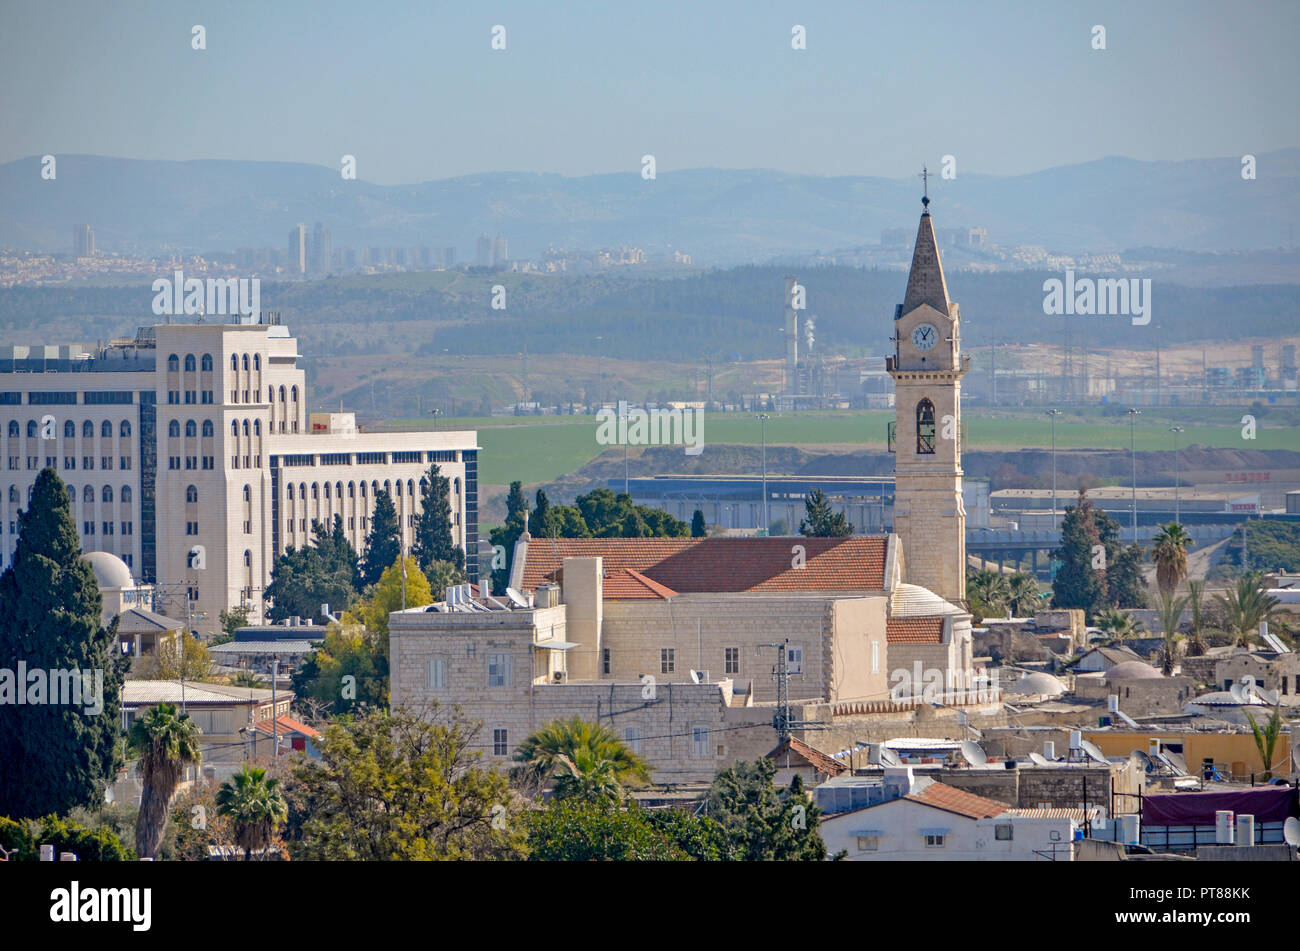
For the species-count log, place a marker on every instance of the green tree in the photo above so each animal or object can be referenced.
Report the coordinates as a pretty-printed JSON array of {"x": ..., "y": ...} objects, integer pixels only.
[
  {"x": 347, "y": 650},
  {"x": 574, "y": 753},
  {"x": 322, "y": 572},
  {"x": 574, "y": 830},
  {"x": 505, "y": 536},
  {"x": 256, "y": 807},
  {"x": 1124, "y": 581},
  {"x": 698, "y": 528},
  {"x": 176, "y": 659},
  {"x": 542, "y": 523},
  {"x": 763, "y": 823},
  {"x": 1169, "y": 552},
  {"x": 383, "y": 543},
  {"x": 1118, "y": 624},
  {"x": 1023, "y": 594},
  {"x": 988, "y": 591},
  {"x": 1196, "y": 645},
  {"x": 821, "y": 521},
  {"x": 233, "y": 619},
  {"x": 1266, "y": 739},
  {"x": 1171, "y": 610},
  {"x": 1246, "y": 605},
  {"x": 442, "y": 575},
  {"x": 23, "y": 840},
  {"x": 1077, "y": 583},
  {"x": 433, "y": 538},
  {"x": 390, "y": 785},
  {"x": 54, "y": 756},
  {"x": 387, "y": 597},
  {"x": 165, "y": 742}
]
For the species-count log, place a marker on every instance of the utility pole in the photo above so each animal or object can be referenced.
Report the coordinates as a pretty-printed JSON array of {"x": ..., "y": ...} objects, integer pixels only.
[
  {"x": 762, "y": 424},
  {"x": 1176, "y": 430},
  {"x": 1052, "y": 414},
  {"x": 781, "y": 720},
  {"x": 275, "y": 719},
  {"x": 1133, "y": 414}
]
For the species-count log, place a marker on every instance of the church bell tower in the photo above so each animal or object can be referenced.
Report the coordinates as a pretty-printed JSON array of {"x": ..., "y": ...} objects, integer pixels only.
[{"x": 927, "y": 367}]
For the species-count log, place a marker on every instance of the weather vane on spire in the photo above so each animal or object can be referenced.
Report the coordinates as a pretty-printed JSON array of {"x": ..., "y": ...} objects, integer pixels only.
[{"x": 925, "y": 181}]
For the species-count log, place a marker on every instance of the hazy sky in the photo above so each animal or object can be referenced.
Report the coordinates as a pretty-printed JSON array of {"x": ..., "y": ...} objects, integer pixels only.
[{"x": 415, "y": 92}]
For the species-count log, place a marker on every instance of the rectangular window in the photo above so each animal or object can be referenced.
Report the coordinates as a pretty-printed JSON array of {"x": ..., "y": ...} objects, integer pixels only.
[
  {"x": 498, "y": 670},
  {"x": 406, "y": 457},
  {"x": 935, "y": 841},
  {"x": 437, "y": 673},
  {"x": 87, "y": 528},
  {"x": 371, "y": 458},
  {"x": 127, "y": 528},
  {"x": 604, "y": 660},
  {"x": 732, "y": 661},
  {"x": 87, "y": 462},
  {"x": 794, "y": 660},
  {"x": 51, "y": 462},
  {"x": 699, "y": 741},
  {"x": 117, "y": 399},
  {"x": 500, "y": 743},
  {"x": 108, "y": 528},
  {"x": 632, "y": 738},
  {"x": 1003, "y": 833},
  {"x": 875, "y": 657},
  {"x": 106, "y": 462},
  {"x": 248, "y": 528},
  {"x": 868, "y": 843},
  {"x": 125, "y": 462},
  {"x": 667, "y": 660},
  {"x": 32, "y": 462}
]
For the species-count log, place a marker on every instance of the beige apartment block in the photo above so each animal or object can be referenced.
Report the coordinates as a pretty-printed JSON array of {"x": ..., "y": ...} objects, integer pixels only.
[{"x": 190, "y": 453}]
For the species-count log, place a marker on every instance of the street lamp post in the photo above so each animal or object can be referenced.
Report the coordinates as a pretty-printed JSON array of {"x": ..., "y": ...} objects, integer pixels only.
[
  {"x": 1176, "y": 430},
  {"x": 1133, "y": 414},
  {"x": 762, "y": 424},
  {"x": 1052, "y": 414}
]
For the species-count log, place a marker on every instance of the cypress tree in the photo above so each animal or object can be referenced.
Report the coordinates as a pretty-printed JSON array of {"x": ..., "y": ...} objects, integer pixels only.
[
  {"x": 541, "y": 522},
  {"x": 433, "y": 540},
  {"x": 505, "y": 536},
  {"x": 384, "y": 543},
  {"x": 698, "y": 528},
  {"x": 822, "y": 522},
  {"x": 55, "y": 755},
  {"x": 1077, "y": 584}
]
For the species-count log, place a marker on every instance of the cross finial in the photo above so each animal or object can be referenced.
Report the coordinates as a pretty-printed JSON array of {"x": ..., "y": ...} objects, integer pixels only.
[{"x": 925, "y": 181}]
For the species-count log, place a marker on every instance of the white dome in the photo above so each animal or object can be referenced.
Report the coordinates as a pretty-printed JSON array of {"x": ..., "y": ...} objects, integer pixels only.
[
  {"x": 1133, "y": 670},
  {"x": 1036, "y": 684},
  {"x": 110, "y": 571},
  {"x": 911, "y": 600}
]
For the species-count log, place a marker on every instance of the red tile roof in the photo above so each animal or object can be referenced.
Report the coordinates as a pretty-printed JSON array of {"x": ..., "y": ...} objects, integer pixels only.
[
  {"x": 723, "y": 565},
  {"x": 630, "y": 583},
  {"x": 812, "y": 756},
  {"x": 914, "y": 630},
  {"x": 287, "y": 725},
  {"x": 951, "y": 799}
]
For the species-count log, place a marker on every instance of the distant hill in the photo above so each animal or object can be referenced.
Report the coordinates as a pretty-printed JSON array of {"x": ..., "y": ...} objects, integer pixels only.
[{"x": 720, "y": 216}]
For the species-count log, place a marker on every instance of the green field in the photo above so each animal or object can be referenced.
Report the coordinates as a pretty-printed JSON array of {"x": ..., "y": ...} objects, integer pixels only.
[{"x": 543, "y": 448}]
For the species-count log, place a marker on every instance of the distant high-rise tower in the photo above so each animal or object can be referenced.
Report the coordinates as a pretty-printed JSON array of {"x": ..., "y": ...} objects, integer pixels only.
[
  {"x": 791, "y": 337},
  {"x": 500, "y": 250},
  {"x": 927, "y": 367},
  {"x": 483, "y": 257},
  {"x": 83, "y": 241},
  {"x": 298, "y": 249},
  {"x": 322, "y": 253},
  {"x": 449, "y": 257}
]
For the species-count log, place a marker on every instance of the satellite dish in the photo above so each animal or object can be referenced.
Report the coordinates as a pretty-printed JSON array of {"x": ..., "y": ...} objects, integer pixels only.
[
  {"x": 1291, "y": 831},
  {"x": 1235, "y": 690},
  {"x": 889, "y": 758},
  {"x": 1094, "y": 752},
  {"x": 1038, "y": 759},
  {"x": 697, "y": 677},
  {"x": 1139, "y": 759},
  {"x": 1268, "y": 696},
  {"x": 516, "y": 598},
  {"x": 974, "y": 755}
]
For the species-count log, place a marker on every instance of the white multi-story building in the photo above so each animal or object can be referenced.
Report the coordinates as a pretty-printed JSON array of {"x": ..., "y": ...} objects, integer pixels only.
[{"x": 198, "y": 494}]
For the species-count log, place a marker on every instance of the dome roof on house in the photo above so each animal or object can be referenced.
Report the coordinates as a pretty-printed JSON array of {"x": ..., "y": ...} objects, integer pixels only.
[
  {"x": 110, "y": 571},
  {"x": 1133, "y": 670},
  {"x": 1035, "y": 684},
  {"x": 911, "y": 600}
]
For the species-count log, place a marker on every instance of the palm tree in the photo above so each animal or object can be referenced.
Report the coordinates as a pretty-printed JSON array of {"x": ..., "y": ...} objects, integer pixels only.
[
  {"x": 1171, "y": 612},
  {"x": 1169, "y": 552},
  {"x": 1196, "y": 595},
  {"x": 1266, "y": 739},
  {"x": 587, "y": 776},
  {"x": 1119, "y": 624},
  {"x": 989, "y": 587},
  {"x": 255, "y": 806},
  {"x": 559, "y": 747},
  {"x": 1246, "y": 606},
  {"x": 165, "y": 743},
  {"x": 1023, "y": 594}
]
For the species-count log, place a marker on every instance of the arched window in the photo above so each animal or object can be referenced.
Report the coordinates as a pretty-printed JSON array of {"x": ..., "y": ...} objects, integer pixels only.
[
  {"x": 191, "y": 494},
  {"x": 410, "y": 487},
  {"x": 257, "y": 361},
  {"x": 293, "y": 394},
  {"x": 31, "y": 429},
  {"x": 245, "y": 427},
  {"x": 88, "y": 495},
  {"x": 206, "y": 363},
  {"x": 13, "y": 428},
  {"x": 87, "y": 430},
  {"x": 189, "y": 363},
  {"x": 207, "y": 428},
  {"x": 338, "y": 490},
  {"x": 352, "y": 490},
  {"x": 257, "y": 427},
  {"x": 925, "y": 428},
  {"x": 173, "y": 363},
  {"x": 106, "y": 430},
  {"x": 234, "y": 428},
  {"x": 248, "y": 494},
  {"x": 69, "y": 430},
  {"x": 126, "y": 494},
  {"x": 13, "y": 493},
  {"x": 174, "y": 429},
  {"x": 327, "y": 490},
  {"x": 234, "y": 362},
  {"x": 315, "y": 490},
  {"x": 248, "y": 558},
  {"x": 374, "y": 487},
  {"x": 282, "y": 394},
  {"x": 456, "y": 486},
  {"x": 245, "y": 361},
  {"x": 107, "y": 494},
  {"x": 363, "y": 490},
  {"x": 399, "y": 488},
  {"x": 388, "y": 488},
  {"x": 125, "y": 429},
  {"x": 191, "y": 428}
]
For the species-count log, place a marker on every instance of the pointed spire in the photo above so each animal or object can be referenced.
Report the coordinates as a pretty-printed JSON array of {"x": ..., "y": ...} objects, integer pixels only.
[{"x": 925, "y": 283}]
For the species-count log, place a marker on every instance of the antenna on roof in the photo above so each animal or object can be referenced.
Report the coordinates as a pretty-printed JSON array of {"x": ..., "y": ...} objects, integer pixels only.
[
  {"x": 1094, "y": 752},
  {"x": 1038, "y": 759},
  {"x": 888, "y": 757},
  {"x": 974, "y": 755},
  {"x": 516, "y": 598},
  {"x": 1291, "y": 831}
]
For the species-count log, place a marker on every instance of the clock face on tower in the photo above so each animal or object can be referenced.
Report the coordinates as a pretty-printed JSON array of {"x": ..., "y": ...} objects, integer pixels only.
[{"x": 924, "y": 336}]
